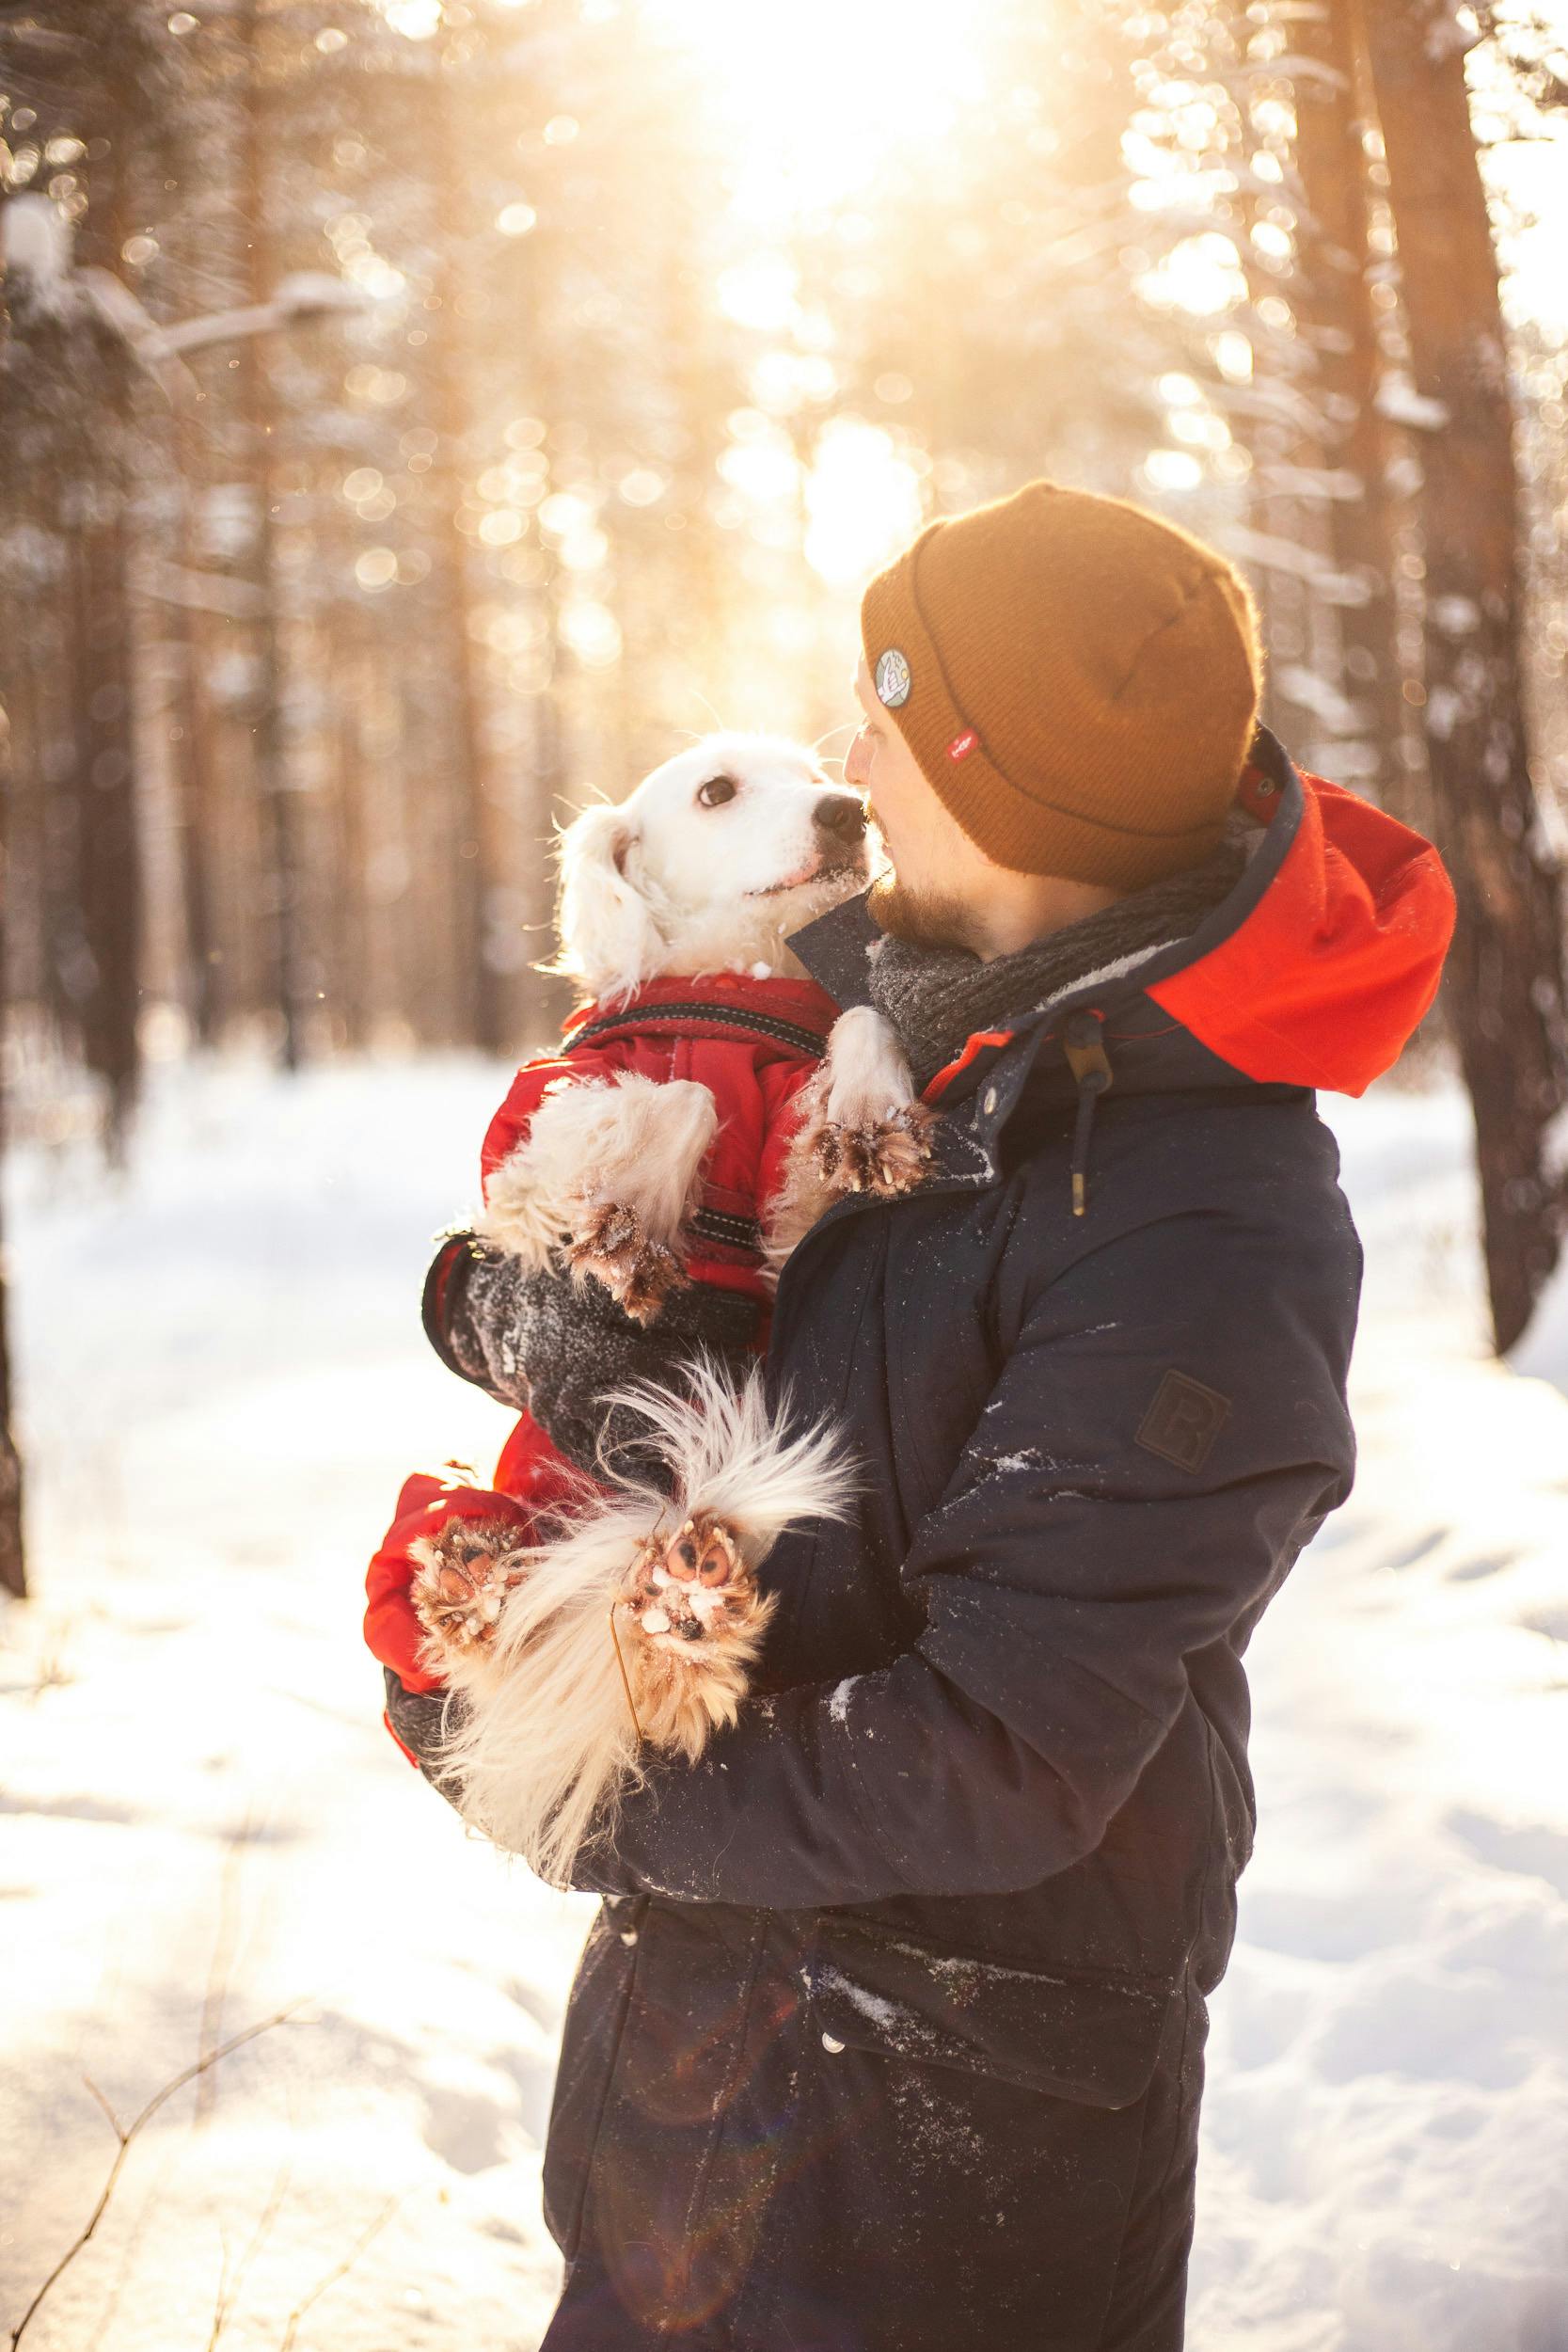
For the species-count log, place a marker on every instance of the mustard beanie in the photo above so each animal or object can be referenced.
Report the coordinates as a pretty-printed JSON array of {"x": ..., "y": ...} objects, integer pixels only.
[{"x": 1078, "y": 678}]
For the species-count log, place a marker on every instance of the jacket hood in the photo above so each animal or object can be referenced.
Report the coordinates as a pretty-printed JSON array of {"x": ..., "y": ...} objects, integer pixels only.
[{"x": 1312, "y": 971}]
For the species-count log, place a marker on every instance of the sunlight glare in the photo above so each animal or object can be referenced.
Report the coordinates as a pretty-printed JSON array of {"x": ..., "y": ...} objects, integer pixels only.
[
  {"x": 863, "y": 502},
  {"x": 416, "y": 20},
  {"x": 1200, "y": 275},
  {"x": 816, "y": 94}
]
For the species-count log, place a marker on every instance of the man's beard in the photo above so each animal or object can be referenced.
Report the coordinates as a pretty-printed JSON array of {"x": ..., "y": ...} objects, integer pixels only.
[{"x": 926, "y": 918}]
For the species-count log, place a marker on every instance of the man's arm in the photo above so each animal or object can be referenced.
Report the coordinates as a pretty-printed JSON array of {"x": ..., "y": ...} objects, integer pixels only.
[
  {"x": 417, "y": 1722},
  {"x": 1067, "y": 1576},
  {"x": 472, "y": 1318}
]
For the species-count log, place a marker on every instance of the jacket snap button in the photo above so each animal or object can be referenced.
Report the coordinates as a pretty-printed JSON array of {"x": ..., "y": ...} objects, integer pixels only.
[
  {"x": 989, "y": 1103},
  {"x": 628, "y": 1936},
  {"x": 829, "y": 2044}
]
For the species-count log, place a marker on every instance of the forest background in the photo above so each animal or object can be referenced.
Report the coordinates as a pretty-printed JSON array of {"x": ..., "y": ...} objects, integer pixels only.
[{"x": 417, "y": 418}]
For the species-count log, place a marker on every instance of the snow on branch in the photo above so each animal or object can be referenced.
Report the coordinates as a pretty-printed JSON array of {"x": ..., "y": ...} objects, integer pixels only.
[
  {"x": 1399, "y": 401},
  {"x": 1273, "y": 554},
  {"x": 35, "y": 244},
  {"x": 199, "y": 592},
  {"x": 306, "y": 295},
  {"x": 1310, "y": 482},
  {"x": 1333, "y": 710}
]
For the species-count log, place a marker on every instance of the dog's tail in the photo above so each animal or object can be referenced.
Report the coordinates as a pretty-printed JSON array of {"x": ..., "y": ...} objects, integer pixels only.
[{"x": 548, "y": 1740}]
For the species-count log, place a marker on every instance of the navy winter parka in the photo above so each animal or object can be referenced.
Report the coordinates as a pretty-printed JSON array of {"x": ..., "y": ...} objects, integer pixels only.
[{"x": 887, "y": 1977}]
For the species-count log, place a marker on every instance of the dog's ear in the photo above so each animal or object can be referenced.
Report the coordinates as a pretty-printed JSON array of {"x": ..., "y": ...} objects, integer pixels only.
[{"x": 610, "y": 935}]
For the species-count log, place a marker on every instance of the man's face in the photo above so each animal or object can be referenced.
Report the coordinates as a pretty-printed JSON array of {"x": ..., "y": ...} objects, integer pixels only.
[{"x": 938, "y": 876}]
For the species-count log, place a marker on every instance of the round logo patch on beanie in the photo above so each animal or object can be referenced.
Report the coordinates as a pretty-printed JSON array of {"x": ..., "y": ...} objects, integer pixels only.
[{"x": 892, "y": 679}]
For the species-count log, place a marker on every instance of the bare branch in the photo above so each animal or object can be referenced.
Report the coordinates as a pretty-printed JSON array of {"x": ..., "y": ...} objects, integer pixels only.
[
  {"x": 342, "y": 2271},
  {"x": 223, "y": 1958},
  {"x": 126, "y": 2136},
  {"x": 115, "y": 2125},
  {"x": 228, "y": 2294}
]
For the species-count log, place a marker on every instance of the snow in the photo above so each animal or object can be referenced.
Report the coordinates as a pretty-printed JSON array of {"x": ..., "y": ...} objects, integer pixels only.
[
  {"x": 204, "y": 1820},
  {"x": 1451, "y": 28},
  {"x": 1386, "y": 2126},
  {"x": 35, "y": 242},
  {"x": 1456, "y": 616},
  {"x": 882, "y": 2013},
  {"x": 1336, "y": 712},
  {"x": 224, "y": 1382},
  {"x": 838, "y": 1702},
  {"x": 1399, "y": 401},
  {"x": 1269, "y": 552},
  {"x": 1444, "y": 709}
]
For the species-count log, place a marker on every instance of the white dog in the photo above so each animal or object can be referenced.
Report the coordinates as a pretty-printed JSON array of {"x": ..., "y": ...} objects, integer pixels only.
[
  {"x": 636, "y": 1622},
  {"x": 707, "y": 868}
]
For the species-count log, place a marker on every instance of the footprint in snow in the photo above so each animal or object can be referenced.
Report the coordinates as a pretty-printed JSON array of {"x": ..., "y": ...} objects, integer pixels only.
[
  {"x": 1533, "y": 1851},
  {"x": 1485, "y": 1563},
  {"x": 1408, "y": 1554}
]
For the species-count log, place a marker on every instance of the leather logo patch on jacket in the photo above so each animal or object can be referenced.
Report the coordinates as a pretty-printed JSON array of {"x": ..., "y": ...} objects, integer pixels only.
[{"x": 1183, "y": 1420}]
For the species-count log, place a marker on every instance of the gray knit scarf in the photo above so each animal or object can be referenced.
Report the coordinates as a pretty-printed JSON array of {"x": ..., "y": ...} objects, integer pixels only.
[{"x": 936, "y": 997}]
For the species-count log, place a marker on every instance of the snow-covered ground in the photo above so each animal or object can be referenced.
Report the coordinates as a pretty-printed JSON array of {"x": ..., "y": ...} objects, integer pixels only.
[
  {"x": 224, "y": 1381},
  {"x": 1386, "y": 2156}
]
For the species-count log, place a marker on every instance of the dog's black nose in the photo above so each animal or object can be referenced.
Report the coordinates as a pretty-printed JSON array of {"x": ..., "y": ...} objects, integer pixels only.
[{"x": 841, "y": 814}]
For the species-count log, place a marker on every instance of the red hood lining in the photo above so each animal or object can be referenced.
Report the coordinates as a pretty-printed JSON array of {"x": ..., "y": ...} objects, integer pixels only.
[
  {"x": 1317, "y": 967},
  {"x": 1325, "y": 976}
]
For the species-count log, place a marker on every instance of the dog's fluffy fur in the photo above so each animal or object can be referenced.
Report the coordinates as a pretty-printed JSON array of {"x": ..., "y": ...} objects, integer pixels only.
[
  {"x": 634, "y": 1144},
  {"x": 547, "y": 1736},
  {"x": 862, "y": 1129}
]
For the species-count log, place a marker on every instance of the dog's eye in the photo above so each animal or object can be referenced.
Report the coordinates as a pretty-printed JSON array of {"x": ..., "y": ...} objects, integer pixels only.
[{"x": 717, "y": 790}]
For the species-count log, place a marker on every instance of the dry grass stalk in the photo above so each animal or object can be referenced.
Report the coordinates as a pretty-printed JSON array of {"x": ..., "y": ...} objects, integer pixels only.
[
  {"x": 125, "y": 2134},
  {"x": 341, "y": 2271}
]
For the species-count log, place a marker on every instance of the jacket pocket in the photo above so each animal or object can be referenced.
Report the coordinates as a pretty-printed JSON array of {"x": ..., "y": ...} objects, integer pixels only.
[
  {"x": 1093, "y": 2038},
  {"x": 590, "y": 2045}
]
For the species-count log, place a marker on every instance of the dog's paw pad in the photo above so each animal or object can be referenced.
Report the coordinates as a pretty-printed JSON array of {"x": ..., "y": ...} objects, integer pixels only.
[
  {"x": 612, "y": 1247},
  {"x": 886, "y": 1156},
  {"x": 693, "y": 1590},
  {"x": 462, "y": 1580},
  {"x": 705, "y": 1552}
]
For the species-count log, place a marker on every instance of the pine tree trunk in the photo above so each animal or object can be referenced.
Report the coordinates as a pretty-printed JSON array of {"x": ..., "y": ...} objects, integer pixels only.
[
  {"x": 350, "y": 843},
  {"x": 194, "y": 766},
  {"x": 95, "y": 524},
  {"x": 14, "y": 1559},
  {"x": 108, "y": 871},
  {"x": 481, "y": 862},
  {"x": 1336, "y": 313},
  {"x": 1505, "y": 979},
  {"x": 13, "y": 1565},
  {"x": 269, "y": 749}
]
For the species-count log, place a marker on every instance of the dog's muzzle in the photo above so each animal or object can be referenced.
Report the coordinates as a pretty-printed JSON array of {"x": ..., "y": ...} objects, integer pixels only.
[{"x": 841, "y": 815}]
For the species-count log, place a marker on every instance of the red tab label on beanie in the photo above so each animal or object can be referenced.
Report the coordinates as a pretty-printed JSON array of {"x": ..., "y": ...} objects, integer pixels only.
[{"x": 963, "y": 744}]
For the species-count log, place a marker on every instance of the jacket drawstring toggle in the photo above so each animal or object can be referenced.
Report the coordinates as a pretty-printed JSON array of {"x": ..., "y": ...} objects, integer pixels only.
[{"x": 1083, "y": 1043}]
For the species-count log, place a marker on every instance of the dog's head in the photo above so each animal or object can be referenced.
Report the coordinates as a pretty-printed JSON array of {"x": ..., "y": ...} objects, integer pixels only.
[{"x": 714, "y": 858}]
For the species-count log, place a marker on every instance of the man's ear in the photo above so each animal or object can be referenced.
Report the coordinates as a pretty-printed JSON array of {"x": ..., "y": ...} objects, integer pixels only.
[{"x": 610, "y": 936}]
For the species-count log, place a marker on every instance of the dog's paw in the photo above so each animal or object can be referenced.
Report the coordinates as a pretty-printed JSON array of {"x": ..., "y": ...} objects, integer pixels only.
[
  {"x": 610, "y": 1244},
  {"x": 886, "y": 1157},
  {"x": 462, "y": 1581},
  {"x": 692, "y": 1594}
]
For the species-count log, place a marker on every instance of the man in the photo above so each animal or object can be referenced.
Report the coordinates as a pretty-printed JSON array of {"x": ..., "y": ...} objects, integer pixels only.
[{"x": 889, "y": 2036}]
